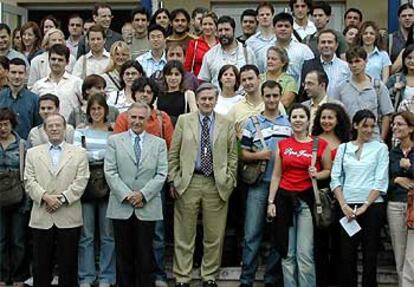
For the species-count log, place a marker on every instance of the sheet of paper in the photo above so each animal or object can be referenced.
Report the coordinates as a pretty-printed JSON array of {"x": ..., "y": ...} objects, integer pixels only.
[{"x": 351, "y": 227}]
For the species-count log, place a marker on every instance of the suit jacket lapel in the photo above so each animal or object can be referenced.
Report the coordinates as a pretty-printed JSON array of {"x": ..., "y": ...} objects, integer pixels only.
[
  {"x": 46, "y": 159},
  {"x": 217, "y": 126},
  {"x": 127, "y": 143},
  {"x": 146, "y": 145},
  {"x": 195, "y": 127},
  {"x": 64, "y": 157}
]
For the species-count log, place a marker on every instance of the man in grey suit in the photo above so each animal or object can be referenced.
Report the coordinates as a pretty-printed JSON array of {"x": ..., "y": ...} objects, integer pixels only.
[{"x": 136, "y": 168}]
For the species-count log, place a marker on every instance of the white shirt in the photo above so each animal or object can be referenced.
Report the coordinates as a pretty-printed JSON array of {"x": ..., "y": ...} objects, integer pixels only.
[
  {"x": 297, "y": 53},
  {"x": 92, "y": 65},
  {"x": 304, "y": 31},
  {"x": 68, "y": 90},
  {"x": 224, "y": 105},
  {"x": 40, "y": 68},
  {"x": 118, "y": 100},
  {"x": 216, "y": 58}
]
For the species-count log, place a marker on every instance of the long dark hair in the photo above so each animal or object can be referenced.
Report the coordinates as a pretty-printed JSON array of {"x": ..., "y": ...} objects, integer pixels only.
[
  {"x": 407, "y": 51},
  {"x": 167, "y": 71},
  {"x": 361, "y": 115},
  {"x": 343, "y": 127}
]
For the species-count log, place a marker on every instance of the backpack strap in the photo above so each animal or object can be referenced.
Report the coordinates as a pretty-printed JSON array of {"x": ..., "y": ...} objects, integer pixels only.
[
  {"x": 117, "y": 85},
  {"x": 117, "y": 97}
]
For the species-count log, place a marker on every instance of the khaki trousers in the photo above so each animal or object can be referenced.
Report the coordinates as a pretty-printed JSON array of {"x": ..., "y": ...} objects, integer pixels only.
[{"x": 203, "y": 195}]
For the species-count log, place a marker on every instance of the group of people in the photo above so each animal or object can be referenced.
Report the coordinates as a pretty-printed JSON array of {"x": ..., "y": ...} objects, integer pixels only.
[{"x": 156, "y": 127}]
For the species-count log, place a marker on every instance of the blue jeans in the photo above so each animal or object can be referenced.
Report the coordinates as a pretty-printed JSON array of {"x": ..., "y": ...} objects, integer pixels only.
[
  {"x": 158, "y": 244},
  {"x": 299, "y": 266},
  {"x": 253, "y": 232},
  {"x": 107, "y": 262}
]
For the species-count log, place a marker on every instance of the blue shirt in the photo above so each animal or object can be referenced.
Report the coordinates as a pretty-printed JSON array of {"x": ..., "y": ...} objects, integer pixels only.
[
  {"x": 377, "y": 61},
  {"x": 26, "y": 107},
  {"x": 362, "y": 175},
  {"x": 272, "y": 130},
  {"x": 55, "y": 152},
  {"x": 211, "y": 129},
  {"x": 149, "y": 64},
  {"x": 260, "y": 45}
]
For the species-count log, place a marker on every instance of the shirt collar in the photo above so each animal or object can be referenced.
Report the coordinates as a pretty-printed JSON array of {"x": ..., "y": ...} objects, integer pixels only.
[
  {"x": 58, "y": 147},
  {"x": 210, "y": 116},
  {"x": 64, "y": 76},
  {"x": 330, "y": 62},
  {"x": 323, "y": 101},
  {"x": 133, "y": 135},
  {"x": 105, "y": 54}
]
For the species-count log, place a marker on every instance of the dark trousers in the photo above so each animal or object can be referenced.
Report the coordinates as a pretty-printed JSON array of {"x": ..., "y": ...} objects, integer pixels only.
[
  {"x": 67, "y": 240},
  {"x": 134, "y": 252},
  {"x": 371, "y": 222}
]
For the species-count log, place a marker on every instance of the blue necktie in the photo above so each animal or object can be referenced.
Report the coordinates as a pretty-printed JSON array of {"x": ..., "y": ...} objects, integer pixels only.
[
  {"x": 137, "y": 148},
  {"x": 206, "y": 153}
]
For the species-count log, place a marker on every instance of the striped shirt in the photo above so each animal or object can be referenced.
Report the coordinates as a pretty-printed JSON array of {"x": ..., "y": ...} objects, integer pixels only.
[
  {"x": 95, "y": 141},
  {"x": 272, "y": 130},
  {"x": 337, "y": 71}
]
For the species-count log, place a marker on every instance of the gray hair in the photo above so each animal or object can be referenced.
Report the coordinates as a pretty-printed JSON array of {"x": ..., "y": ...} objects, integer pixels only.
[
  {"x": 207, "y": 86},
  {"x": 140, "y": 105}
]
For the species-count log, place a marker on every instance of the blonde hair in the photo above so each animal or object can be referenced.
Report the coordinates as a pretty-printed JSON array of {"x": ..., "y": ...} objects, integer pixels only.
[
  {"x": 118, "y": 45},
  {"x": 46, "y": 38}
]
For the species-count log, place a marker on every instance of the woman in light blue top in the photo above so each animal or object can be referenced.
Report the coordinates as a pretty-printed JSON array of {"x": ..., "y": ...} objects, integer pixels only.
[
  {"x": 379, "y": 63},
  {"x": 359, "y": 178},
  {"x": 94, "y": 138}
]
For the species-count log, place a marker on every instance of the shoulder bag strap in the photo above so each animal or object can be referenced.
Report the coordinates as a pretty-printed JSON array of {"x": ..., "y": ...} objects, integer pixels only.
[
  {"x": 246, "y": 56},
  {"x": 390, "y": 40},
  {"x": 84, "y": 67},
  {"x": 315, "y": 146},
  {"x": 114, "y": 81},
  {"x": 117, "y": 97},
  {"x": 194, "y": 55},
  {"x": 342, "y": 167},
  {"x": 159, "y": 117},
  {"x": 259, "y": 131},
  {"x": 21, "y": 159},
  {"x": 398, "y": 93}
]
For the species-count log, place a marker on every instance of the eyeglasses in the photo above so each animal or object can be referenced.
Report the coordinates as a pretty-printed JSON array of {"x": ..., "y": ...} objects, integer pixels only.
[{"x": 398, "y": 124}]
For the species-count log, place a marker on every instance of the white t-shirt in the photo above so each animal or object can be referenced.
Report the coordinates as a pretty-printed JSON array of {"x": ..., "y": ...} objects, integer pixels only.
[{"x": 224, "y": 105}]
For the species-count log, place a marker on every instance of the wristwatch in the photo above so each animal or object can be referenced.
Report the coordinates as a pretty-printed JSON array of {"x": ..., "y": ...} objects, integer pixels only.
[{"x": 63, "y": 200}]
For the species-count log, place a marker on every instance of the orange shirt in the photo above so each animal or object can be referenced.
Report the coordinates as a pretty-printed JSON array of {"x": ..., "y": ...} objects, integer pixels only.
[{"x": 153, "y": 125}]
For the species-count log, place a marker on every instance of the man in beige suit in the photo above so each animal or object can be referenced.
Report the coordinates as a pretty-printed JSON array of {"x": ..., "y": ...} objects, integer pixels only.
[
  {"x": 202, "y": 175},
  {"x": 55, "y": 177}
]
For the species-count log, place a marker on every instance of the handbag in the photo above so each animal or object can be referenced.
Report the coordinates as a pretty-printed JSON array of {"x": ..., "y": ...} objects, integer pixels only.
[
  {"x": 410, "y": 209},
  {"x": 252, "y": 172},
  {"x": 324, "y": 206},
  {"x": 11, "y": 182},
  {"x": 97, "y": 186}
]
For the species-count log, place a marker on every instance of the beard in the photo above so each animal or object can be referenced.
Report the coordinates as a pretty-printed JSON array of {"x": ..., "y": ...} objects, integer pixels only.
[{"x": 226, "y": 40}]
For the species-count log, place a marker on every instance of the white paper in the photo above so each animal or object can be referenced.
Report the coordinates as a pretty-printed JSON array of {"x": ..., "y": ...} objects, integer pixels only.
[{"x": 351, "y": 227}]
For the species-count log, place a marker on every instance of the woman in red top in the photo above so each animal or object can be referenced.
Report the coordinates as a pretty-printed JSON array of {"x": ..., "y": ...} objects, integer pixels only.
[
  {"x": 198, "y": 47},
  {"x": 291, "y": 198},
  {"x": 333, "y": 125}
]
